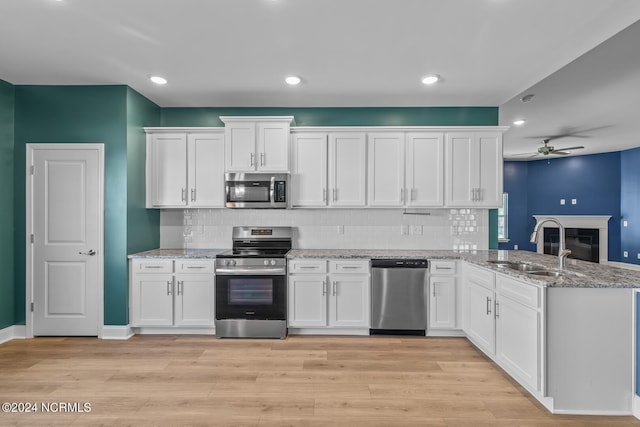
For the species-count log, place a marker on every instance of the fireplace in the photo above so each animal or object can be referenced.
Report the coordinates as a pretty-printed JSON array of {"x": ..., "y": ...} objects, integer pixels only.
[
  {"x": 584, "y": 243},
  {"x": 587, "y": 236}
]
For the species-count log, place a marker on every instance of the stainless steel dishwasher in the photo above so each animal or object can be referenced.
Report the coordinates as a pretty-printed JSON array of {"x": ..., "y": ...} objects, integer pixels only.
[{"x": 399, "y": 296}]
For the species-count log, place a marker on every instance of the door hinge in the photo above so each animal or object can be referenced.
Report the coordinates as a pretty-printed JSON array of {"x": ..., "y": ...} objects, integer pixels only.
[
  {"x": 32, "y": 307},
  {"x": 31, "y": 169},
  {"x": 32, "y": 238}
]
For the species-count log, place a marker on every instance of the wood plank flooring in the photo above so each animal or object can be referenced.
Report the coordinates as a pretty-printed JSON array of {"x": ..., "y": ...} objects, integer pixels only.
[{"x": 300, "y": 381}]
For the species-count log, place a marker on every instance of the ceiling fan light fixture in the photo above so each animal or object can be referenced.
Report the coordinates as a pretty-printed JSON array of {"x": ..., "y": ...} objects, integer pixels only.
[
  {"x": 430, "y": 79},
  {"x": 519, "y": 122},
  {"x": 527, "y": 98}
]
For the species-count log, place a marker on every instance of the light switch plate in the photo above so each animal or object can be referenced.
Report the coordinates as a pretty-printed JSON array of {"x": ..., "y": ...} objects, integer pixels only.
[
  {"x": 562, "y": 201},
  {"x": 625, "y": 223},
  {"x": 625, "y": 254},
  {"x": 574, "y": 201}
]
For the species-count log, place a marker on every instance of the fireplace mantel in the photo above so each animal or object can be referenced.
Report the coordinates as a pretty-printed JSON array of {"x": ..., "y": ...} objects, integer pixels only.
[{"x": 600, "y": 222}]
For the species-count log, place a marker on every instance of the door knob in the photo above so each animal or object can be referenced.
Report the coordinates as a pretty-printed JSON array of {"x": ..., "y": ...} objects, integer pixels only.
[{"x": 90, "y": 253}]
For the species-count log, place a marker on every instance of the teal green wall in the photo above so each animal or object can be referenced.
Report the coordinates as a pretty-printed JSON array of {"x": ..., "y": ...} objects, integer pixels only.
[
  {"x": 79, "y": 114},
  {"x": 373, "y": 116},
  {"x": 143, "y": 225},
  {"x": 7, "y": 288}
]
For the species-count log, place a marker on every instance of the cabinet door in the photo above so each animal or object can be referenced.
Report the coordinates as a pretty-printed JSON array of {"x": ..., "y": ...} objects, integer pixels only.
[
  {"x": 490, "y": 172},
  {"x": 425, "y": 169},
  {"x": 309, "y": 170},
  {"x": 166, "y": 170},
  {"x": 461, "y": 170},
  {"x": 307, "y": 300},
  {"x": 240, "y": 146},
  {"x": 206, "y": 170},
  {"x": 152, "y": 300},
  {"x": 442, "y": 302},
  {"x": 350, "y": 301},
  {"x": 347, "y": 169},
  {"x": 194, "y": 300},
  {"x": 480, "y": 323},
  {"x": 385, "y": 153},
  {"x": 273, "y": 147},
  {"x": 518, "y": 340}
]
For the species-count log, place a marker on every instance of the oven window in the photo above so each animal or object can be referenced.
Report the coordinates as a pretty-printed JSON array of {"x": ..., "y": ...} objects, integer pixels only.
[
  {"x": 252, "y": 291},
  {"x": 249, "y": 193}
]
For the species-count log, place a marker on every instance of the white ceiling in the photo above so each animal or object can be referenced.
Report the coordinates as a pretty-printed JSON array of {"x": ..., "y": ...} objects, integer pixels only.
[{"x": 348, "y": 53}]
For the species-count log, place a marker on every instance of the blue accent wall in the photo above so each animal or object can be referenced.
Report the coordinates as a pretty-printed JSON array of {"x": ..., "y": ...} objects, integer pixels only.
[
  {"x": 7, "y": 287},
  {"x": 630, "y": 204},
  {"x": 594, "y": 180}
]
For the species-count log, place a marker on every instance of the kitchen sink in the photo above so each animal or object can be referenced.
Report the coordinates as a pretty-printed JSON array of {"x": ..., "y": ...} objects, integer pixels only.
[
  {"x": 520, "y": 266},
  {"x": 547, "y": 273}
]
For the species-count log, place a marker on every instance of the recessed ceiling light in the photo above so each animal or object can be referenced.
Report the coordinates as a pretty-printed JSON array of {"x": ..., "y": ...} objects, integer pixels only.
[
  {"x": 519, "y": 122},
  {"x": 293, "y": 80},
  {"x": 158, "y": 80},
  {"x": 527, "y": 98},
  {"x": 431, "y": 79}
]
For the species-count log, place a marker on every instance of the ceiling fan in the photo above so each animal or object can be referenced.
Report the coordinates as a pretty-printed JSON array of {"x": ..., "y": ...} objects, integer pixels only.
[{"x": 547, "y": 149}]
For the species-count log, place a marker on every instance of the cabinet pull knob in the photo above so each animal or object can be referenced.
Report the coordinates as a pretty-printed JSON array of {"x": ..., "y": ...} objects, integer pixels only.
[{"x": 488, "y": 305}]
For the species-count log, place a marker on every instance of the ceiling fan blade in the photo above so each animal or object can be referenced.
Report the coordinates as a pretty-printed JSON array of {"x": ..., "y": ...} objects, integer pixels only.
[
  {"x": 577, "y": 147},
  {"x": 525, "y": 155},
  {"x": 562, "y": 153}
]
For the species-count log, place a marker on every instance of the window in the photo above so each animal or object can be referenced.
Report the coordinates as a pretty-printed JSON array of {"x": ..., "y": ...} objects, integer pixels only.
[{"x": 503, "y": 212}]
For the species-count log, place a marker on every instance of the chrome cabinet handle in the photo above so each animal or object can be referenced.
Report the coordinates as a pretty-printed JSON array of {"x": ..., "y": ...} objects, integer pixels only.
[
  {"x": 334, "y": 288},
  {"x": 90, "y": 253},
  {"x": 434, "y": 289},
  {"x": 184, "y": 194},
  {"x": 193, "y": 194},
  {"x": 180, "y": 287},
  {"x": 324, "y": 288},
  {"x": 261, "y": 159},
  {"x": 169, "y": 286},
  {"x": 488, "y": 305},
  {"x": 251, "y": 160},
  {"x": 497, "y": 309}
]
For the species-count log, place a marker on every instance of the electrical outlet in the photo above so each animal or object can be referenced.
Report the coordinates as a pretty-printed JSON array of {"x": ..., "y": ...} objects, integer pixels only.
[
  {"x": 625, "y": 254},
  {"x": 515, "y": 247},
  {"x": 562, "y": 201},
  {"x": 625, "y": 223},
  {"x": 638, "y": 255},
  {"x": 416, "y": 230},
  {"x": 574, "y": 201}
]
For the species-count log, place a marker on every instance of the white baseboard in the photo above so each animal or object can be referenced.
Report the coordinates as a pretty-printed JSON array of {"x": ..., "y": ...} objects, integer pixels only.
[
  {"x": 626, "y": 265},
  {"x": 636, "y": 406},
  {"x": 12, "y": 333},
  {"x": 327, "y": 331},
  {"x": 445, "y": 333},
  {"x": 116, "y": 332},
  {"x": 590, "y": 412},
  {"x": 153, "y": 330}
]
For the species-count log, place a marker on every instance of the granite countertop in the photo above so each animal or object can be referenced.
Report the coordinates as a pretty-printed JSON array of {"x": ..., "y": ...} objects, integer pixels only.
[
  {"x": 578, "y": 274},
  {"x": 178, "y": 253}
]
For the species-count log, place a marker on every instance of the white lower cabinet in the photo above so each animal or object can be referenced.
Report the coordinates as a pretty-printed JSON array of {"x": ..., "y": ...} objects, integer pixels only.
[
  {"x": 319, "y": 299},
  {"x": 503, "y": 318},
  {"x": 172, "y": 293},
  {"x": 442, "y": 295}
]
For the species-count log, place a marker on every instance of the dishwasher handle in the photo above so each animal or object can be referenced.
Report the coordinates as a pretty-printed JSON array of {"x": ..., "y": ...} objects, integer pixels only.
[{"x": 399, "y": 263}]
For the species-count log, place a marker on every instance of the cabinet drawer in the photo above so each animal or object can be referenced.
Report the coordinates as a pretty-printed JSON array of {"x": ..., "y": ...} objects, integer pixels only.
[
  {"x": 442, "y": 267},
  {"x": 309, "y": 266},
  {"x": 518, "y": 291},
  {"x": 349, "y": 266},
  {"x": 480, "y": 276},
  {"x": 194, "y": 266},
  {"x": 153, "y": 266}
]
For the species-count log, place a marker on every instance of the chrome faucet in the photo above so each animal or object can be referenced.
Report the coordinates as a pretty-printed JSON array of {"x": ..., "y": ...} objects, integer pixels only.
[{"x": 563, "y": 252}]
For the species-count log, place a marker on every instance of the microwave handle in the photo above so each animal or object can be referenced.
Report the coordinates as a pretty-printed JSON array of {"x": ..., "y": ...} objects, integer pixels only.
[{"x": 272, "y": 191}]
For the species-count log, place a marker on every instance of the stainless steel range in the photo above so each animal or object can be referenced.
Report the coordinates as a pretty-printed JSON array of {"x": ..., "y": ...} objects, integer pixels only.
[{"x": 251, "y": 284}]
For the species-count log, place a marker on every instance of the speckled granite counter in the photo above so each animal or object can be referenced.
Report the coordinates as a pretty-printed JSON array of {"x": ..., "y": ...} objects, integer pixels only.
[
  {"x": 178, "y": 253},
  {"x": 578, "y": 274}
]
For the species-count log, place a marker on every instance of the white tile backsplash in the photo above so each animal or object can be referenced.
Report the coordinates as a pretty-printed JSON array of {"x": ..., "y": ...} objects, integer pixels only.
[{"x": 319, "y": 228}]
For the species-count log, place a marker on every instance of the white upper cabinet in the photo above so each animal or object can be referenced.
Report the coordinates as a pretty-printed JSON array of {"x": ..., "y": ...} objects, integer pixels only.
[
  {"x": 347, "y": 169},
  {"x": 474, "y": 169},
  {"x": 309, "y": 170},
  {"x": 257, "y": 143},
  {"x": 386, "y": 158},
  {"x": 185, "y": 169},
  {"x": 425, "y": 170}
]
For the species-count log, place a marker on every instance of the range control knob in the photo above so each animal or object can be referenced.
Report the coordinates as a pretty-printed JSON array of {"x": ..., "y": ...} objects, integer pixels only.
[
  {"x": 266, "y": 262},
  {"x": 226, "y": 262},
  {"x": 233, "y": 262},
  {"x": 273, "y": 262}
]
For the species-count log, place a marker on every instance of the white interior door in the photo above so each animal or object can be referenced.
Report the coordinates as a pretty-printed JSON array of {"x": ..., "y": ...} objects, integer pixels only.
[{"x": 66, "y": 233}]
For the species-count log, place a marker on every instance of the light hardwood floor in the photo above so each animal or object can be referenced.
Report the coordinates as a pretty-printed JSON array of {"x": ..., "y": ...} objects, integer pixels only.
[{"x": 300, "y": 381}]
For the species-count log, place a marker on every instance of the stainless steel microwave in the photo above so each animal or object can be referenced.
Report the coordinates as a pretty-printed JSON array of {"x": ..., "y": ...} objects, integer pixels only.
[{"x": 256, "y": 190}]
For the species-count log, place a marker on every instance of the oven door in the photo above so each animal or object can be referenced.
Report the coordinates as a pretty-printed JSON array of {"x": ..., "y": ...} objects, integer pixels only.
[{"x": 259, "y": 297}]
